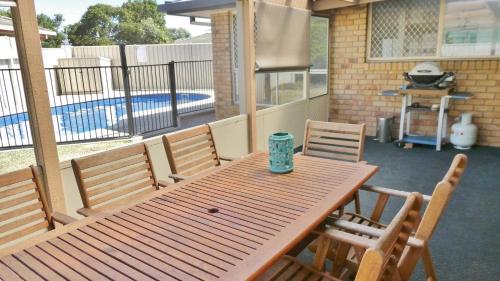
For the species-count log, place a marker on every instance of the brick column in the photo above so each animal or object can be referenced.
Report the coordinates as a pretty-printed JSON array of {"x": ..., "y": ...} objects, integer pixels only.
[{"x": 222, "y": 66}]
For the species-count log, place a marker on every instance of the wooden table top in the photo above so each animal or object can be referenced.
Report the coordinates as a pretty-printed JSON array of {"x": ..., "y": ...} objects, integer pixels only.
[{"x": 229, "y": 224}]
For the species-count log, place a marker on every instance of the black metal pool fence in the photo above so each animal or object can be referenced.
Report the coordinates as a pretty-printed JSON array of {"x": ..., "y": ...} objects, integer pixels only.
[{"x": 107, "y": 102}]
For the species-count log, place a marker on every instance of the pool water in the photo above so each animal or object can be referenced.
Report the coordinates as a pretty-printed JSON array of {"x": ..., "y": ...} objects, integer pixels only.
[{"x": 99, "y": 114}]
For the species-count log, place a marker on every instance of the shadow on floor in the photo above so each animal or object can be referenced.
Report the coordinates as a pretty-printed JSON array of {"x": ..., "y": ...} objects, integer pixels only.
[{"x": 466, "y": 243}]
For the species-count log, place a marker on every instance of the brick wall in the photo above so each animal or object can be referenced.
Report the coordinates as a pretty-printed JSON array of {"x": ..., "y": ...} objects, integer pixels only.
[
  {"x": 355, "y": 83},
  {"x": 222, "y": 66}
]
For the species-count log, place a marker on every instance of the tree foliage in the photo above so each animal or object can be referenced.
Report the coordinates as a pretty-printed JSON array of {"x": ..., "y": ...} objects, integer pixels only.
[
  {"x": 98, "y": 26},
  {"x": 53, "y": 23},
  {"x": 178, "y": 33},
  {"x": 135, "y": 22}
]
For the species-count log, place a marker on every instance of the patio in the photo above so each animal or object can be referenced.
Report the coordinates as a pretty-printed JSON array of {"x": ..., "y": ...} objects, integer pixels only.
[
  {"x": 462, "y": 248},
  {"x": 230, "y": 200}
]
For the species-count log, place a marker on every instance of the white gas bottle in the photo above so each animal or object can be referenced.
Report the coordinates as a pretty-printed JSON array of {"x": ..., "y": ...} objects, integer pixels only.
[{"x": 464, "y": 133}]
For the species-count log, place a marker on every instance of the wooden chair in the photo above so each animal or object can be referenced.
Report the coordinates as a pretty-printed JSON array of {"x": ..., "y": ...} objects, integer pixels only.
[
  {"x": 191, "y": 151},
  {"x": 379, "y": 262},
  {"x": 114, "y": 176},
  {"x": 418, "y": 246},
  {"x": 337, "y": 141},
  {"x": 24, "y": 210}
]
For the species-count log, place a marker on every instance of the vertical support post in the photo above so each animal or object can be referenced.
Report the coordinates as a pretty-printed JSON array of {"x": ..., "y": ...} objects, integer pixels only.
[
  {"x": 248, "y": 68},
  {"x": 173, "y": 92},
  {"x": 126, "y": 88},
  {"x": 37, "y": 100},
  {"x": 404, "y": 103},
  {"x": 240, "y": 54}
]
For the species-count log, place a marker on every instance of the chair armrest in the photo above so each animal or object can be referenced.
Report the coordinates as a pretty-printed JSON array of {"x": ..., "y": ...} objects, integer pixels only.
[
  {"x": 354, "y": 240},
  {"x": 178, "y": 177},
  {"x": 391, "y": 192},
  {"x": 358, "y": 228},
  {"x": 363, "y": 162},
  {"x": 162, "y": 183},
  {"x": 372, "y": 231},
  {"x": 86, "y": 212},
  {"x": 228, "y": 158},
  {"x": 62, "y": 218}
]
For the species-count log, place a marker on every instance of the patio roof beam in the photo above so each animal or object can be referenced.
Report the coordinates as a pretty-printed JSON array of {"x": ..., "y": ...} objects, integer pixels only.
[
  {"x": 323, "y": 5},
  {"x": 247, "y": 8},
  {"x": 37, "y": 100}
]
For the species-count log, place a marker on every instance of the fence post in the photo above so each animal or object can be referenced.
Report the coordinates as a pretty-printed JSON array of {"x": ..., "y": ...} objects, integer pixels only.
[
  {"x": 173, "y": 92},
  {"x": 126, "y": 88}
]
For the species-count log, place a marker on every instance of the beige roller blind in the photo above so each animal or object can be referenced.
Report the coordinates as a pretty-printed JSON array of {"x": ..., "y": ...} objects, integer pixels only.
[{"x": 282, "y": 37}]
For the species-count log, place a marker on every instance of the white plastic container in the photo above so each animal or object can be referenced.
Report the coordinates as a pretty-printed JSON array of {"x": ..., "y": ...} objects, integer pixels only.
[{"x": 464, "y": 133}]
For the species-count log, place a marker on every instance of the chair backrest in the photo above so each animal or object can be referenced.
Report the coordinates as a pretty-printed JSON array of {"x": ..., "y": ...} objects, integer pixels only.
[
  {"x": 191, "y": 151},
  {"x": 381, "y": 261},
  {"x": 440, "y": 198},
  {"x": 337, "y": 141},
  {"x": 23, "y": 207},
  {"x": 456, "y": 170},
  {"x": 114, "y": 175},
  {"x": 435, "y": 208}
]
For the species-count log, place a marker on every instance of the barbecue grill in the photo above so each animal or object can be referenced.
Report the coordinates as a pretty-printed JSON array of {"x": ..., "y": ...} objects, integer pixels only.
[{"x": 428, "y": 75}]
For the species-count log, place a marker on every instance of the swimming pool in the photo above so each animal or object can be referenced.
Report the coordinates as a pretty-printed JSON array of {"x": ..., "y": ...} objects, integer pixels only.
[{"x": 95, "y": 118}]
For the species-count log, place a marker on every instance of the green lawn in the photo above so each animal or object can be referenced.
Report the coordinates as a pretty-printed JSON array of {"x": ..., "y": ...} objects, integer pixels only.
[{"x": 11, "y": 160}]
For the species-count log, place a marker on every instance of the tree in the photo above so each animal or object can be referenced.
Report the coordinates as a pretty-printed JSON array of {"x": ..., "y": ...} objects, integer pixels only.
[
  {"x": 5, "y": 13},
  {"x": 135, "y": 22},
  {"x": 178, "y": 33},
  {"x": 98, "y": 26},
  {"x": 140, "y": 22},
  {"x": 53, "y": 23},
  {"x": 145, "y": 31}
]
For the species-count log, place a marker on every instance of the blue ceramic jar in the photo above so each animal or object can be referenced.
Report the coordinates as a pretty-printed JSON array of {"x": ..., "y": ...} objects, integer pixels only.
[{"x": 281, "y": 153}]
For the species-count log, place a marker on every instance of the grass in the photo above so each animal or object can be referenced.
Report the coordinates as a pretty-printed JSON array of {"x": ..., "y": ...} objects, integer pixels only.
[{"x": 11, "y": 160}]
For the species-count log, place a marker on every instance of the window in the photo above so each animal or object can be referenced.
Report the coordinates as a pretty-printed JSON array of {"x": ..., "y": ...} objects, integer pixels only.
[
  {"x": 434, "y": 29},
  {"x": 272, "y": 88},
  {"x": 319, "y": 56},
  {"x": 471, "y": 28}
]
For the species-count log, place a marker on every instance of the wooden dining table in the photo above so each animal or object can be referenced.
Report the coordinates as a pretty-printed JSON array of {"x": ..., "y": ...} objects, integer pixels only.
[{"x": 231, "y": 223}]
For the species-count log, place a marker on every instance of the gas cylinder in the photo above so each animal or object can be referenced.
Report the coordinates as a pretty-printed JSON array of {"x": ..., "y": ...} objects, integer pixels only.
[{"x": 464, "y": 133}]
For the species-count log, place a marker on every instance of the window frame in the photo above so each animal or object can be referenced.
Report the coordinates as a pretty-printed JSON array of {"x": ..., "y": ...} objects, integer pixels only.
[
  {"x": 309, "y": 96},
  {"x": 437, "y": 57}
]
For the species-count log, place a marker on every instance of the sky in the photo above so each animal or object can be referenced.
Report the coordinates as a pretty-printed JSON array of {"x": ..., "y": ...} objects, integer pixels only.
[{"x": 72, "y": 10}]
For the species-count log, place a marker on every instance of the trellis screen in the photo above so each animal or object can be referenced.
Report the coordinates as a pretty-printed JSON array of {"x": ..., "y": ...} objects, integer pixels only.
[{"x": 404, "y": 28}]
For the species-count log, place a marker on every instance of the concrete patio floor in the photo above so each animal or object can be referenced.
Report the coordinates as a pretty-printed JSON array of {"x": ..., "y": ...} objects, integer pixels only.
[{"x": 466, "y": 244}]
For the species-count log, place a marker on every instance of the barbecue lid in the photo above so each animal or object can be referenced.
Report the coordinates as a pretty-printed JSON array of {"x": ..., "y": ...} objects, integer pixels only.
[{"x": 426, "y": 69}]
